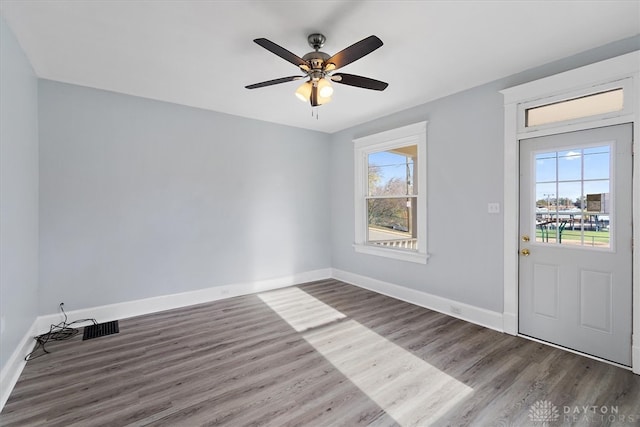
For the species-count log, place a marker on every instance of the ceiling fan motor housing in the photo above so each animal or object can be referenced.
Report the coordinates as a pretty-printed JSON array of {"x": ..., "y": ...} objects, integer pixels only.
[
  {"x": 316, "y": 40},
  {"x": 316, "y": 60}
]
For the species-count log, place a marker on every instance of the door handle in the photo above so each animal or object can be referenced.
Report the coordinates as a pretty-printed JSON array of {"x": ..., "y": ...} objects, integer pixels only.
[{"x": 525, "y": 252}]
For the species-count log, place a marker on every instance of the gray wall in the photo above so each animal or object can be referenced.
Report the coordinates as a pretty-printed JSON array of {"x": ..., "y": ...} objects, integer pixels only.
[
  {"x": 464, "y": 173},
  {"x": 140, "y": 198},
  {"x": 18, "y": 194}
]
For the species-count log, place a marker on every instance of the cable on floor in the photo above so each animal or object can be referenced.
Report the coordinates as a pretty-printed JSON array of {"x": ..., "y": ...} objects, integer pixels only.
[{"x": 60, "y": 332}]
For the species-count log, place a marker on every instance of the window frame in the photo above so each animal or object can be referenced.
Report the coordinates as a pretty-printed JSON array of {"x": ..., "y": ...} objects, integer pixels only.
[{"x": 414, "y": 134}]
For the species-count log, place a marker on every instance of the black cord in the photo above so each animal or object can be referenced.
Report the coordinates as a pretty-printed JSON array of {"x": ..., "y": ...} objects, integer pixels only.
[{"x": 61, "y": 331}]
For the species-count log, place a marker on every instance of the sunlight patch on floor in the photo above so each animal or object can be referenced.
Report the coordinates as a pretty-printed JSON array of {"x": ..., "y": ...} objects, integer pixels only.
[
  {"x": 299, "y": 309},
  {"x": 406, "y": 387}
]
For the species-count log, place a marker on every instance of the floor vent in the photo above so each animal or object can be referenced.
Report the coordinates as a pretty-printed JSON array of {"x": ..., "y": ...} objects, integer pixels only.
[{"x": 100, "y": 330}]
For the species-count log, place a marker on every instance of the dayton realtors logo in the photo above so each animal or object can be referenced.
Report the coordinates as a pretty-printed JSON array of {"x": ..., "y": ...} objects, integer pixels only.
[
  {"x": 547, "y": 413},
  {"x": 544, "y": 412}
]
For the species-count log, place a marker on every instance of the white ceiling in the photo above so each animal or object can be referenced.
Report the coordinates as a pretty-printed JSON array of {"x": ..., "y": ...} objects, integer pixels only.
[{"x": 200, "y": 53}]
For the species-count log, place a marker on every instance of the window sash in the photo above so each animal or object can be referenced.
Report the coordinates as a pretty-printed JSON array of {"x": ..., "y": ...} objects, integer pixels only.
[{"x": 393, "y": 139}]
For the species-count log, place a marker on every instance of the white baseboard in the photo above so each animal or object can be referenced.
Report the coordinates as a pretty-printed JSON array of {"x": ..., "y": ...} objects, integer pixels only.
[
  {"x": 479, "y": 316},
  {"x": 13, "y": 368},
  {"x": 123, "y": 310},
  {"x": 509, "y": 323},
  {"x": 635, "y": 356}
]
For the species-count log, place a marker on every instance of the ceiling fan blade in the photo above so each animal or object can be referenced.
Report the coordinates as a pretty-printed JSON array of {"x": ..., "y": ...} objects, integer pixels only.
[
  {"x": 355, "y": 51},
  {"x": 359, "y": 81},
  {"x": 274, "y": 82},
  {"x": 314, "y": 96},
  {"x": 281, "y": 52}
]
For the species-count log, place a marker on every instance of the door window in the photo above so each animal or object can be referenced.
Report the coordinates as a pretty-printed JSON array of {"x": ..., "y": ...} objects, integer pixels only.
[{"x": 573, "y": 197}]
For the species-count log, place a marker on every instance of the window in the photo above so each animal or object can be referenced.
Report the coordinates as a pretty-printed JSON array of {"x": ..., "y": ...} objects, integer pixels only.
[
  {"x": 585, "y": 106},
  {"x": 596, "y": 102},
  {"x": 390, "y": 193},
  {"x": 572, "y": 191}
]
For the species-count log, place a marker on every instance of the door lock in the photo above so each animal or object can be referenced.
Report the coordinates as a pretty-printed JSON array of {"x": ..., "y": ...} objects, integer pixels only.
[{"x": 525, "y": 238}]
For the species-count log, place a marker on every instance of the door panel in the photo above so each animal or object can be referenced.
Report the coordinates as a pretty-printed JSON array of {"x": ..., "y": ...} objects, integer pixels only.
[
  {"x": 575, "y": 270},
  {"x": 595, "y": 300},
  {"x": 545, "y": 290}
]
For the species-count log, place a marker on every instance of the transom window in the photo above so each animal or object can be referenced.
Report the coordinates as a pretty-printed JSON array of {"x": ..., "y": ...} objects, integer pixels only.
[
  {"x": 584, "y": 106},
  {"x": 595, "y": 102},
  {"x": 390, "y": 193}
]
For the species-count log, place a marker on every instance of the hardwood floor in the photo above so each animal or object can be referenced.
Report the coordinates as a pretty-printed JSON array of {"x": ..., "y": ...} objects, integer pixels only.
[{"x": 319, "y": 354}]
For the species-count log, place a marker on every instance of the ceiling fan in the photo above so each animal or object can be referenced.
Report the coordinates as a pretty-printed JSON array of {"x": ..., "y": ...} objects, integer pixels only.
[{"x": 318, "y": 68}]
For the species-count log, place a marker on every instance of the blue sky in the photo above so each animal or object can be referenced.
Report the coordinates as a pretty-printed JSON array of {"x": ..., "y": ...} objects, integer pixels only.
[
  {"x": 390, "y": 165},
  {"x": 566, "y": 169}
]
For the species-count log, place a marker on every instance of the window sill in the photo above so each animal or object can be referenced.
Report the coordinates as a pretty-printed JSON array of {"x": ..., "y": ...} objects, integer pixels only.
[{"x": 403, "y": 255}]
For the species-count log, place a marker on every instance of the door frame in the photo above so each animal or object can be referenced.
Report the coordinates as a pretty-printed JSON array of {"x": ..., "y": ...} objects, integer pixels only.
[{"x": 621, "y": 70}]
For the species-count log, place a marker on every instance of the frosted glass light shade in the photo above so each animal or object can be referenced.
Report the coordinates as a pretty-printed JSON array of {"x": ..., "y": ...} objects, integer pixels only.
[
  {"x": 304, "y": 92},
  {"x": 323, "y": 99},
  {"x": 324, "y": 88}
]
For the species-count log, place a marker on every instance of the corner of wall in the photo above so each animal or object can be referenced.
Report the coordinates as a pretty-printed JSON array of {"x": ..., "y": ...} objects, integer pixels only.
[
  {"x": 13, "y": 368},
  {"x": 19, "y": 211}
]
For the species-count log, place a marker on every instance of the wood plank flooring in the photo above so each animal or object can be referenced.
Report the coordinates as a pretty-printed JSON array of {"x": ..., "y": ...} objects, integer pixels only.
[{"x": 319, "y": 354}]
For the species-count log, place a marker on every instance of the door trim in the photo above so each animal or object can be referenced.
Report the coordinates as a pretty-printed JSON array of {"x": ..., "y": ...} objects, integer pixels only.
[{"x": 566, "y": 83}]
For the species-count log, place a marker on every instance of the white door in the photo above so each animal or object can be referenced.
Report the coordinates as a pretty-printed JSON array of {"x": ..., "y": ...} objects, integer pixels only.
[{"x": 576, "y": 241}]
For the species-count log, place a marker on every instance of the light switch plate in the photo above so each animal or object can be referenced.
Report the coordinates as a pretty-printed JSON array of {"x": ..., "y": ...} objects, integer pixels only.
[{"x": 493, "y": 208}]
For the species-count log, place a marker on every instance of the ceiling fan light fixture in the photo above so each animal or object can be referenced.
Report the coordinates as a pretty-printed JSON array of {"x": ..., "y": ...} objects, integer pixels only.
[
  {"x": 323, "y": 99},
  {"x": 325, "y": 90},
  {"x": 329, "y": 66},
  {"x": 304, "y": 92}
]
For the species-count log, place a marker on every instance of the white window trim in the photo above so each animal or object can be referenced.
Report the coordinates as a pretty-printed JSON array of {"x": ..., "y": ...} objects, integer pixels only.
[
  {"x": 566, "y": 84},
  {"x": 414, "y": 134}
]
